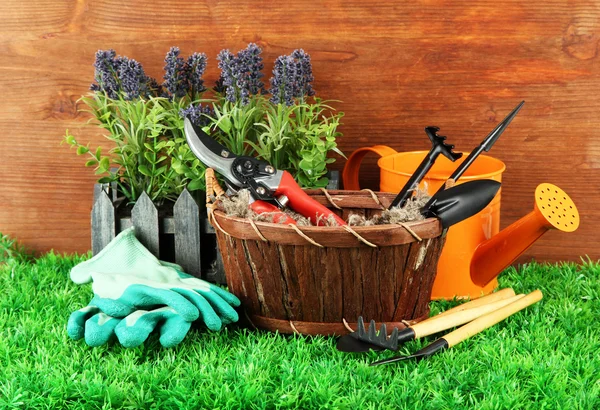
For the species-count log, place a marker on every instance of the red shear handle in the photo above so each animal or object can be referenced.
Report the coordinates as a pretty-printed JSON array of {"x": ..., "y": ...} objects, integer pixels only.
[
  {"x": 262, "y": 207},
  {"x": 304, "y": 204}
]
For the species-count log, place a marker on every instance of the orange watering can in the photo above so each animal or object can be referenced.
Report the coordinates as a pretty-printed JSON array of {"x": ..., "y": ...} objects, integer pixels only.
[{"x": 476, "y": 251}]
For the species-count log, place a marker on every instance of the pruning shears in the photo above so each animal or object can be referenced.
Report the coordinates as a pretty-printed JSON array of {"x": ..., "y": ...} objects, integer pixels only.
[{"x": 271, "y": 189}]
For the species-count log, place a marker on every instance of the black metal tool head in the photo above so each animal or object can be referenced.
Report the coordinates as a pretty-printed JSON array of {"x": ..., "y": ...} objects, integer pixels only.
[
  {"x": 496, "y": 132},
  {"x": 350, "y": 344},
  {"x": 460, "y": 202},
  {"x": 364, "y": 340},
  {"x": 439, "y": 143},
  {"x": 210, "y": 152},
  {"x": 239, "y": 171},
  {"x": 372, "y": 336},
  {"x": 429, "y": 350}
]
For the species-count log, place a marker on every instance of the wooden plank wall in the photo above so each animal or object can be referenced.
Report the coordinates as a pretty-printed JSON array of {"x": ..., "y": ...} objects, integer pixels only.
[{"x": 396, "y": 67}]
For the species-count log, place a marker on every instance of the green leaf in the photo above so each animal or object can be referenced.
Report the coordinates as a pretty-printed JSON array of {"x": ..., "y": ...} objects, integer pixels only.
[
  {"x": 144, "y": 170},
  {"x": 91, "y": 163},
  {"x": 98, "y": 153},
  {"x": 82, "y": 150},
  {"x": 104, "y": 165},
  {"x": 69, "y": 139},
  {"x": 195, "y": 185}
]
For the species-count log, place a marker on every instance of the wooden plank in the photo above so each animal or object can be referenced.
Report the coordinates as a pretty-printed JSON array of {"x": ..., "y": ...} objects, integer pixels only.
[
  {"x": 103, "y": 221},
  {"x": 186, "y": 218},
  {"x": 97, "y": 189},
  {"x": 144, "y": 216}
]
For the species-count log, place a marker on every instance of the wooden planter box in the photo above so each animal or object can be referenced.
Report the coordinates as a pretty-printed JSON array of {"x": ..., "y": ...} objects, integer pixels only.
[{"x": 182, "y": 234}]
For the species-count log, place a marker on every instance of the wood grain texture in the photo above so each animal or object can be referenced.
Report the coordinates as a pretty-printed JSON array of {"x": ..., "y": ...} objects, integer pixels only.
[
  {"x": 103, "y": 220},
  {"x": 188, "y": 241},
  {"x": 278, "y": 283},
  {"x": 144, "y": 216},
  {"x": 396, "y": 66}
]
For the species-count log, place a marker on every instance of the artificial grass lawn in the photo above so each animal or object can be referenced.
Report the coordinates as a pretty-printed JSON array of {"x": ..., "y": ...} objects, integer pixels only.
[{"x": 544, "y": 357}]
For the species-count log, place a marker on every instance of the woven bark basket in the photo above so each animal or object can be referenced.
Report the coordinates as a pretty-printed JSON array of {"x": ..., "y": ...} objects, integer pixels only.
[{"x": 310, "y": 280}]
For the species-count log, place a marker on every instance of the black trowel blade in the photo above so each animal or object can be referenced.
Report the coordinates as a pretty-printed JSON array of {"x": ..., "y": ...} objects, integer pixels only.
[{"x": 460, "y": 202}]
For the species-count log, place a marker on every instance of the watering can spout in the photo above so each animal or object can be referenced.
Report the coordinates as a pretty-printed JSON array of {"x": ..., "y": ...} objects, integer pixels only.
[{"x": 553, "y": 210}]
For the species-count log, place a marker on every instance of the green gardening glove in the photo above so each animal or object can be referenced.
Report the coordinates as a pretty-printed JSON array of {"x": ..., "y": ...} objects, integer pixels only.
[
  {"x": 127, "y": 277},
  {"x": 120, "y": 295},
  {"x": 98, "y": 328}
]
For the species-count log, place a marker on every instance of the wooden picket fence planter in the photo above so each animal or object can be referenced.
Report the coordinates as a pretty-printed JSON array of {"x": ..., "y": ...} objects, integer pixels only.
[{"x": 183, "y": 236}]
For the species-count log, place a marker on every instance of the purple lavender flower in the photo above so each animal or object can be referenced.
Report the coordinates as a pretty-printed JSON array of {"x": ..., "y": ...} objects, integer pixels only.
[
  {"x": 196, "y": 65},
  {"x": 106, "y": 73},
  {"x": 292, "y": 78},
  {"x": 304, "y": 73},
  {"x": 241, "y": 73},
  {"x": 133, "y": 79},
  {"x": 229, "y": 73},
  {"x": 251, "y": 61},
  {"x": 176, "y": 74},
  {"x": 197, "y": 114},
  {"x": 282, "y": 82}
]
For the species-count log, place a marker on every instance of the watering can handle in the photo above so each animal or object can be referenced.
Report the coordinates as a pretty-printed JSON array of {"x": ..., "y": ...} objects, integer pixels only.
[{"x": 350, "y": 172}]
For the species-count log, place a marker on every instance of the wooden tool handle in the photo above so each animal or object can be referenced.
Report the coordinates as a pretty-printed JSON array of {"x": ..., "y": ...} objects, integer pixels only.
[
  {"x": 491, "y": 319},
  {"x": 484, "y": 300},
  {"x": 437, "y": 324}
]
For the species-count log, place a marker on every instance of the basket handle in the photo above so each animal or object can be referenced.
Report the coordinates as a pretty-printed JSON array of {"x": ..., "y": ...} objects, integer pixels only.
[{"x": 350, "y": 172}]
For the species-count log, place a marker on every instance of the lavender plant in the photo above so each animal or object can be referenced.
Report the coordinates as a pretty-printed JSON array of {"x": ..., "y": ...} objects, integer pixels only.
[
  {"x": 144, "y": 122},
  {"x": 288, "y": 129},
  {"x": 239, "y": 104}
]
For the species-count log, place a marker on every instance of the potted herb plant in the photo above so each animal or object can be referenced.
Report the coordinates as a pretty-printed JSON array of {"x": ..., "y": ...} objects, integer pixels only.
[{"x": 286, "y": 125}]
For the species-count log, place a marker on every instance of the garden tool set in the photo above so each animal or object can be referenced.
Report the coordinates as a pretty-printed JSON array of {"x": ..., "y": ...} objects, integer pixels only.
[
  {"x": 479, "y": 315},
  {"x": 135, "y": 293},
  {"x": 470, "y": 329},
  {"x": 270, "y": 188},
  {"x": 440, "y": 147},
  {"x": 486, "y": 145},
  {"x": 553, "y": 210},
  {"x": 364, "y": 339},
  {"x": 475, "y": 252}
]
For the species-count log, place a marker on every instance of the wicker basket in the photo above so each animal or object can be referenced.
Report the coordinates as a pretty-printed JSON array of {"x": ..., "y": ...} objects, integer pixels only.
[{"x": 311, "y": 279}]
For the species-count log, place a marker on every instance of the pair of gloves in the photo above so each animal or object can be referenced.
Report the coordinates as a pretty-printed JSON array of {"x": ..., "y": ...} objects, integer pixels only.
[{"x": 135, "y": 293}]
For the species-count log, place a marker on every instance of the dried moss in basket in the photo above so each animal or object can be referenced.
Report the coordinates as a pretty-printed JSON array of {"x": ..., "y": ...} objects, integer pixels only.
[
  {"x": 409, "y": 213},
  {"x": 238, "y": 206}
]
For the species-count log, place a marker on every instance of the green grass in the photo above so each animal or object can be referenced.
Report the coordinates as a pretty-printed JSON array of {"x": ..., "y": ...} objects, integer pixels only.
[{"x": 547, "y": 356}]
